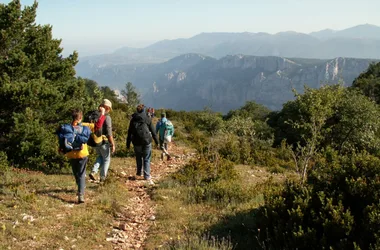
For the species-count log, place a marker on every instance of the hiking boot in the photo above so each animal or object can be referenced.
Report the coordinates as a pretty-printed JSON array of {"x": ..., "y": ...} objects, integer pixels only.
[
  {"x": 80, "y": 198},
  {"x": 169, "y": 158},
  {"x": 92, "y": 176}
]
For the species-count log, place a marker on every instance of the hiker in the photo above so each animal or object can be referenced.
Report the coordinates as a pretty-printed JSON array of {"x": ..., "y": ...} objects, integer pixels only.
[
  {"x": 149, "y": 112},
  {"x": 95, "y": 120},
  {"x": 73, "y": 139},
  {"x": 78, "y": 158},
  {"x": 165, "y": 129},
  {"x": 103, "y": 151},
  {"x": 140, "y": 133}
]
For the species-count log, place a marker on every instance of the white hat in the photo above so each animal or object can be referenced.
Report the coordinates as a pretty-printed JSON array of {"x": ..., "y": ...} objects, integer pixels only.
[{"x": 107, "y": 103}]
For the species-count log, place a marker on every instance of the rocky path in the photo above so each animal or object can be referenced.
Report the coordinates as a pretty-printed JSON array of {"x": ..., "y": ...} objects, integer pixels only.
[{"x": 133, "y": 222}]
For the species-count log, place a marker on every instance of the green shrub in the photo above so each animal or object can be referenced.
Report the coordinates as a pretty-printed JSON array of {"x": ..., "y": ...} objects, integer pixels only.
[
  {"x": 4, "y": 165},
  {"x": 32, "y": 144},
  {"x": 331, "y": 116},
  {"x": 228, "y": 192},
  {"x": 245, "y": 150},
  {"x": 203, "y": 171},
  {"x": 229, "y": 147},
  {"x": 338, "y": 208},
  {"x": 213, "y": 182},
  {"x": 209, "y": 122},
  {"x": 197, "y": 242},
  {"x": 250, "y": 109}
]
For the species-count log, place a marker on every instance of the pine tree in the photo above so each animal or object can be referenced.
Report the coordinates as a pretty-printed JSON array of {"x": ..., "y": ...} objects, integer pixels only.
[
  {"x": 369, "y": 82},
  {"x": 38, "y": 88}
]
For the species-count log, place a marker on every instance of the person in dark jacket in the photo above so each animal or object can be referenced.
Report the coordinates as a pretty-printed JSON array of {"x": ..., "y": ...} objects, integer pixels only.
[{"x": 140, "y": 133}]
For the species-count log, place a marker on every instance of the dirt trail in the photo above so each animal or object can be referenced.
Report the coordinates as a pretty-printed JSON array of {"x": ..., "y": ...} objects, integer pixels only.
[{"x": 132, "y": 224}]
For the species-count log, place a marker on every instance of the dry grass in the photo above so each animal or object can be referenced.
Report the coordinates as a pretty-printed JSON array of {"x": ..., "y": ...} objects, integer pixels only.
[
  {"x": 39, "y": 211},
  {"x": 184, "y": 225}
]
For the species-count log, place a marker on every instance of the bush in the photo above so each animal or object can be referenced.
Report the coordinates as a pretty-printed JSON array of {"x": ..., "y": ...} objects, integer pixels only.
[
  {"x": 226, "y": 192},
  {"x": 209, "y": 122},
  {"x": 198, "y": 242},
  {"x": 203, "y": 171},
  {"x": 331, "y": 116},
  {"x": 3, "y": 162},
  {"x": 211, "y": 181},
  {"x": 32, "y": 144},
  {"x": 337, "y": 209},
  {"x": 120, "y": 124},
  {"x": 228, "y": 147}
]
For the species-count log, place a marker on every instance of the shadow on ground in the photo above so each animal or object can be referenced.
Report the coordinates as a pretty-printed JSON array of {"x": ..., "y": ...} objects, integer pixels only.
[
  {"x": 63, "y": 194},
  {"x": 240, "y": 229}
]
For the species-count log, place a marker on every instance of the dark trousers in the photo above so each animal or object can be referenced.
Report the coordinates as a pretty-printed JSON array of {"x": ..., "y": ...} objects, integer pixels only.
[
  {"x": 143, "y": 154},
  {"x": 79, "y": 171}
]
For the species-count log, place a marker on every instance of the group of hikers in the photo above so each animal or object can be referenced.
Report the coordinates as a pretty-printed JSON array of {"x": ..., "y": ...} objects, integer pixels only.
[
  {"x": 74, "y": 139},
  {"x": 150, "y": 112}
]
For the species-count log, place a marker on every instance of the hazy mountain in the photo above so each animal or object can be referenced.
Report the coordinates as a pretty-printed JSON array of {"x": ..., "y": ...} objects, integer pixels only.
[
  {"x": 323, "y": 34},
  {"x": 361, "y": 41},
  {"x": 364, "y": 31},
  {"x": 349, "y": 47},
  {"x": 190, "y": 81},
  {"x": 193, "y": 81}
]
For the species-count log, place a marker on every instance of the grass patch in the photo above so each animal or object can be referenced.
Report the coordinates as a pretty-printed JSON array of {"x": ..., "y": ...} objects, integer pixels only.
[
  {"x": 39, "y": 211},
  {"x": 209, "y": 207}
]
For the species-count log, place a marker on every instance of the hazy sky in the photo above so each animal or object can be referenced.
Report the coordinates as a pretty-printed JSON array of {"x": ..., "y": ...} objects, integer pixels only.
[{"x": 97, "y": 26}]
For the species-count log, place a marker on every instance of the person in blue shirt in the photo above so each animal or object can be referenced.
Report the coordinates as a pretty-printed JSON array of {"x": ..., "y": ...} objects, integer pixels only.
[{"x": 165, "y": 129}]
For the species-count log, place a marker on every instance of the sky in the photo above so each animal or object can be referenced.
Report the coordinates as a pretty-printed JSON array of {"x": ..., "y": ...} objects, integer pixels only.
[{"x": 101, "y": 26}]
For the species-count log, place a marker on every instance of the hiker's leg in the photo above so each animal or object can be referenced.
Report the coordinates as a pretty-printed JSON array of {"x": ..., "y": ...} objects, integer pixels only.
[
  {"x": 82, "y": 175},
  {"x": 98, "y": 161},
  {"x": 139, "y": 156},
  {"x": 166, "y": 148},
  {"x": 75, "y": 167},
  {"x": 162, "y": 149},
  {"x": 147, "y": 153},
  {"x": 106, "y": 155},
  {"x": 79, "y": 170}
]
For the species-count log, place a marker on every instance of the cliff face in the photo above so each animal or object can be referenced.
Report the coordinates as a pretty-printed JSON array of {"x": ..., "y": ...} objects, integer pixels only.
[
  {"x": 194, "y": 81},
  {"x": 231, "y": 81}
]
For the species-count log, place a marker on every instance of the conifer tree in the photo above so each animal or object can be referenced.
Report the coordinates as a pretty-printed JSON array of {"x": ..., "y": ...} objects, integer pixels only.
[{"x": 38, "y": 88}]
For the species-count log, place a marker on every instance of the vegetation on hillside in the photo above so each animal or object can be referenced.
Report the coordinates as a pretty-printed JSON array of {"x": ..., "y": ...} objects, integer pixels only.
[{"x": 329, "y": 137}]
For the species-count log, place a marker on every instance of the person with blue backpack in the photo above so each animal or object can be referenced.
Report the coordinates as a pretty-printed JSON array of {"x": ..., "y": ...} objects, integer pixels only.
[
  {"x": 72, "y": 142},
  {"x": 165, "y": 129}
]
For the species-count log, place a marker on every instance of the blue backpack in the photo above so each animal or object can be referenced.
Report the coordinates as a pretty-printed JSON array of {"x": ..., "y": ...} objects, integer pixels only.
[{"x": 72, "y": 137}]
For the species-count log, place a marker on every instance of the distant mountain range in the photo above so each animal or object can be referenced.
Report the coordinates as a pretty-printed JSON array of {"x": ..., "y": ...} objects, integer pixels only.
[
  {"x": 223, "y": 70},
  {"x": 364, "y": 31},
  {"x": 193, "y": 81},
  {"x": 361, "y": 41}
]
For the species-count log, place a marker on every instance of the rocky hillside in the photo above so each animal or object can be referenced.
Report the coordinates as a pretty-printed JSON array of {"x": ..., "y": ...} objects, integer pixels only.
[{"x": 193, "y": 81}]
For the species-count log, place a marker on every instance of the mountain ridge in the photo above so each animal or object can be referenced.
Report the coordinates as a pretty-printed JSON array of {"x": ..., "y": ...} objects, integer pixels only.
[
  {"x": 192, "y": 81},
  {"x": 286, "y": 44}
]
